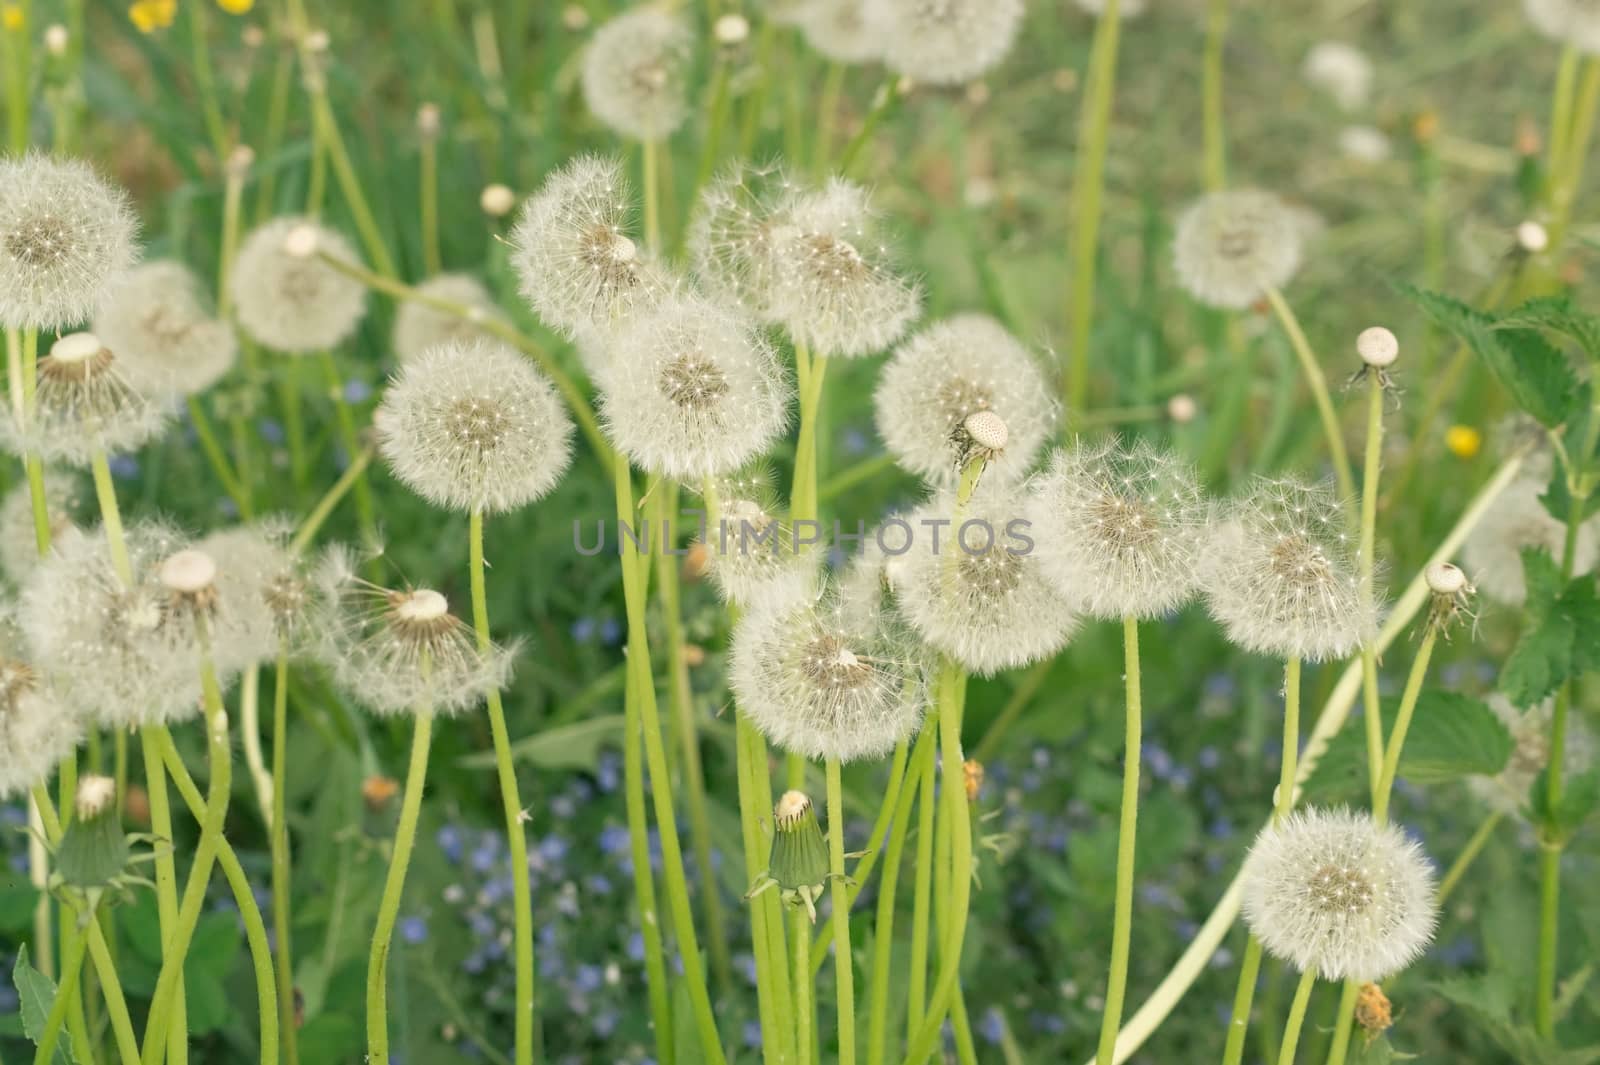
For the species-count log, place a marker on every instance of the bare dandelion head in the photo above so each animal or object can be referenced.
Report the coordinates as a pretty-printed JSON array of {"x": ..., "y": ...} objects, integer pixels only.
[
  {"x": 693, "y": 390},
  {"x": 1120, "y": 528},
  {"x": 65, "y": 236},
  {"x": 419, "y": 326},
  {"x": 1510, "y": 791},
  {"x": 1339, "y": 893},
  {"x": 286, "y": 297},
  {"x": 946, "y": 42},
  {"x": 1280, "y": 573},
  {"x": 636, "y": 73},
  {"x": 1515, "y": 522},
  {"x": 1232, "y": 246},
  {"x": 165, "y": 338},
  {"x": 474, "y": 426},
  {"x": 84, "y": 406},
  {"x": 939, "y": 379}
]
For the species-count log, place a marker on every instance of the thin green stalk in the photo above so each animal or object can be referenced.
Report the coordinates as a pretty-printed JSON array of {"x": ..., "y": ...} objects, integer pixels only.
[
  {"x": 206, "y": 82},
  {"x": 844, "y": 965},
  {"x": 721, "y": 110},
  {"x": 272, "y": 137},
  {"x": 319, "y": 514},
  {"x": 18, "y": 41},
  {"x": 1561, "y": 110},
  {"x": 1344, "y": 1022},
  {"x": 804, "y": 1013},
  {"x": 883, "y": 103},
  {"x": 1211, "y": 96},
  {"x": 1318, "y": 384},
  {"x": 282, "y": 881},
  {"x": 921, "y": 897},
  {"x": 1469, "y": 854},
  {"x": 1021, "y": 696},
  {"x": 1565, "y": 184},
  {"x": 1122, "y": 919},
  {"x": 1297, "y": 1017},
  {"x": 1372, "y": 468},
  {"x": 432, "y": 259},
  {"x": 516, "y": 834},
  {"x": 1088, "y": 189},
  {"x": 155, "y": 783},
  {"x": 883, "y": 929},
  {"x": 215, "y": 456},
  {"x": 803, "y": 497},
  {"x": 644, "y": 888},
  {"x": 350, "y": 437},
  {"x": 66, "y": 995},
  {"x": 294, "y": 426},
  {"x": 652, "y": 194},
  {"x": 827, "y": 117},
  {"x": 405, "y": 835},
  {"x": 111, "y": 517},
  {"x": 326, "y": 125},
  {"x": 1402, "y": 723}
]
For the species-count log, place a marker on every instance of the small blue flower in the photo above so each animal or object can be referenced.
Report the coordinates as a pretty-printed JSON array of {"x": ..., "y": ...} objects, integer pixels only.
[
  {"x": 752, "y": 1034},
  {"x": 992, "y": 1026},
  {"x": 448, "y": 839},
  {"x": 124, "y": 467},
  {"x": 583, "y": 630},
  {"x": 357, "y": 391},
  {"x": 588, "y": 978},
  {"x": 413, "y": 930},
  {"x": 270, "y": 431},
  {"x": 636, "y": 946}
]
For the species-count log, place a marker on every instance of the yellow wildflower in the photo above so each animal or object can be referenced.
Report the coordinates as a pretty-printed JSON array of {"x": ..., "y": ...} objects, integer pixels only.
[
  {"x": 11, "y": 16},
  {"x": 1463, "y": 441},
  {"x": 152, "y": 15},
  {"x": 236, "y": 7}
]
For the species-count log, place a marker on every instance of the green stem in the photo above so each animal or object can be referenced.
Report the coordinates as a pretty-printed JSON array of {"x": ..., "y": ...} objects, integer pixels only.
[
  {"x": 921, "y": 895},
  {"x": 215, "y": 456},
  {"x": 844, "y": 965},
  {"x": 1094, "y": 124},
  {"x": 827, "y": 118},
  {"x": 1372, "y": 468},
  {"x": 272, "y": 138},
  {"x": 883, "y": 102},
  {"x": 111, "y": 517},
  {"x": 350, "y": 437},
  {"x": 1564, "y": 189},
  {"x": 521, "y": 889},
  {"x": 1319, "y": 391},
  {"x": 105, "y": 968},
  {"x": 1561, "y": 111},
  {"x": 1211, "y": 96},
  {"x": 155, "y": 783},
  {"x": 432, "y": 259},
  {"x": 1297, "y": 1017},
  {"x": 848, "y": 478},
  {"x": 282, "y": 882},
  {"x": 1344, "y": 1022},
  {"x": 206, "y": 82},
  {"x": 319, "y": 514},
  {"x": 804, "y": 1012},
  {"x": 883, "y": 930},
  {"x": 1239, "y": 1022},
  {"x": 1122, "y": 920},
  {"x": 294, "y": 428},
  {"x": 326, "y": 125},
  {"x": 803, "y": 496},
  {"x": 18, "y": 43},
  {"x": 1469, "y": 853},
  {"x": 405, "y": 835},
  {"x": 643, "y": 878},
  {"x": 66, "y": 996},
  {"x": 1402, "y": 723},
  {"x": 652, "y": 195}
]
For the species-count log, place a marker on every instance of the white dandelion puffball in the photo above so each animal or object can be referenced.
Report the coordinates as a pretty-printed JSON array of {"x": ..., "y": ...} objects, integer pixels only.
[
  {"x": 1339, "y": 893},
  {"x": 65, "y": 236},
  {"x": 733, "y": 236},
  {"x": 1340, "y": 70},
  {"x": 37, "y": 728},
  {"x": 1365, "y": 144},
  {"x": 474, "y": 426},
  {"x": 754, "y": 557},
  {"x": 572, "y": 251},
  {"x": 833, "y": 287},
  {"x": 946, "y": 42},
  {"x": 946, "y": 373},
  {"x": 117, "y": 651},
  {"x": 165, "y": 338},
  {"x": 1574, "y": 22},
  {"x": 636, "y": 73},
  {"x": 1280, "y": 573},
  {"x": 1515, "y": 522},
  {"x": 1120, "y": 529},
  {"x": 267, "y": 591},
  {"x": 401, "y": 651},
  {"x": 693, "y": 391},
  {"x": 418, "y": 326},
  {"x": 19, "y": 545},
  {"x": 841, "y": 30},
  {"x": 973, "y": 588},
  {"x": 1232, "y": 246},
  {"x": 286, "y": 297},
  {"x": 1509, "y": 790},
  {"x": 819, "y": 682},
  {"x": 84, "y": 406}
]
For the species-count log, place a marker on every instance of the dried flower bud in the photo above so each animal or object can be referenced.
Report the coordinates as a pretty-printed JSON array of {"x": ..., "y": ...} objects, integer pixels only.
[
  {"x": 378, "y": 791},
  {"x": 1377, "y": 347},
  {"x": 497, "y": 200},
  {"x": 731, "y": 29},
  {"x": 429, "y": 120},
  {"x": 1532, "y": 237}
]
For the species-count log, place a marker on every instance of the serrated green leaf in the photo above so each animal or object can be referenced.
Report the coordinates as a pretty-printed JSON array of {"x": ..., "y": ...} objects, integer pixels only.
[
  {"x": 575, "y": 746},
  {"x": 1557, "y": 315},
  {"x": 36, "y": 993},
  {"x": 1571, "y": 989},
  {"x": 1542, "y": 658},
  {"x": 1453, "y": 736},
  {"x": 1580, "y": 796}
]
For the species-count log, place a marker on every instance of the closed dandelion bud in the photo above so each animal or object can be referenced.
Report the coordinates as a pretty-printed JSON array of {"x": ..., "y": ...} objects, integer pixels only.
[
  {"x": 946, "y": 42},
  {"x": 1515, "y": 522},
  {"x": 402, "y": 651},
  {"x": 418, "y": 326},
  {"x": 165, "y": 339},
  {"x": 287, "y": 298},
  {"x": 1280, "y": 574},
  {"x": 636, "y": 73},
  {"x": 1232, "y": 246},
  {"x": 733, "y": 235},
  {"x": 19, "y": 547},
  {"x": 84, "y": 406},
  {"x": 579, "y": 267},
  {"x": 1571, "y": 22},
  {"x": 38, "y": 728},
  {"x": 1510, "y": 790},
  {"x": 1120, "y": 528},
  {"x": 833, "y": 286},
  {"x": 474, "y": 426},
  {"x": 693, "y": 390},
  {"x": 799, "y": 852},
  {"x": 1339, "y": 893},
  {"x": 1373, "y": 1012},
  {"x": 973, "y": 587},
  {"x": 840, "y": 31},
  {"x": 93, "y": 853},
  {"x": 65, "y": 236},
  {"x": 930, "y": 391}
]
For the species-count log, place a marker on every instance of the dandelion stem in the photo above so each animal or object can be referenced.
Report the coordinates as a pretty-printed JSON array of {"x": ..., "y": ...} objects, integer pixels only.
[
  {"x": 1402, "y": 723},
  {"x": 1297, "y": 1017},
  {"x": 921, "y": 894},
  {"x": 1343, "y": 1023},
  {"x": 1122, "y": 920},
  {"x": 803, "y": 497},
  {"x": 282, "y": 872},
  {"x": 1021, "y": 696},
  {"x": 844, "y": 965},
  {"x": 1564, "y": 186},
  {"x": 67, "y": 994},
  {"x": 643, "y": 877},
  {"x": 516, "y": 834},
  {"x": 432, "y": 260},
  {"x": 804, "y": 1011},
  {"x": 325, "y": 506},
  {"x": 1319, "y": 391},
  {"x": 827, "y": 117},
  {"x": 350, "y": 437},
  {"x": 250, "y": 740},
  {"x": 326, "y": 126},
  {"x": 883, "y": 102},
  {"x": 1373, "y": 456},
  {"x": 215, "y": 456},
  {"x": 1561, "y": 111},
  {"x": 405, "y": 835},
  {"x": 18, "y": 40},
  {"x": 206, "y": 81},
  {"x": 1469, "y": 854},
  {"x": 111, "y": 517},
  {"x": 652, "y": 194},
  {"x": 883, "y": 930},
  {"x": 1211, "y": 96},
  {"x": 155, "y": 782}
]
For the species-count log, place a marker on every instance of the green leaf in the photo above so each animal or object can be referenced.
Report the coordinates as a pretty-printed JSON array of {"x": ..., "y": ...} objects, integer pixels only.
[
  {"x": 1557, "y": 315},
  {"x": 36, "y": 993},
  {"x": 1453, "y": 736},
  {"x": 1570, "y": 991},
  {"x": 1580, "y": 795},
  {"x": 1542, "y": 658},
  {"x": 575, "y": 746}
]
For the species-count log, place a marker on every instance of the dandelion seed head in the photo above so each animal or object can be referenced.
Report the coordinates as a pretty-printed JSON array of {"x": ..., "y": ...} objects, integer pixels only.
[
  {"x": 165, "y": 339},
  {"x": 497, "y": 200},
  {"x": 1532, "y": 237},
  {"x": 1339, "y": 893},
  {"x": 752, "y": 554},
  {"x": 1515, "y": 522},
  {"x": 1232, "y": 246},
  {"x": 636, "y": 73},
  {"x": 731, "y": 29},
  {"x": 83, "y": 406},
  {"x": 474, "y": 426},
  {"x": 946, "y": 374},
  {"x": 1120, "y": 528},
  {"x": 38, "y": 729},
  {"x": 841, "y": 30},
  {"x": 19, "y": 549},
  {"x": 418, "y": 326},
  {"x": 286, "y": 297},
  {"x": 65, "y": 236},
  {"x": 1340, "y": 70},
  {"x": 1571, "y": 22},
  {"x": 1510, "y": 790},
  {"x": 946, "y": 42},
  {"x": 732, "y": 238},
  {"x": 267, "y": 589}
]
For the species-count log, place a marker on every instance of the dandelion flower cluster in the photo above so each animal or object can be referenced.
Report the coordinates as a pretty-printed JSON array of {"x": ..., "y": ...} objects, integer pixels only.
[
  {"x": 286, "y": 297},
  {"x": 1121, "y": 529},
  {"x": 474, "y": 426},
  {"x": 949, "y": 371},
  {"x": 1339, "y": 893},
  {"x": 164, "y": 338},
  {"x": 1280, "y": 574},
  {"x": 19, "y": 545},
  {"x": 1508, "y": 791},
  {"x": 84, "y": 406},
  {"x": 402, "y": 651},
  {"x": 65, "y": 236},
  {"x": 419, "y": 326},
  {"x": 1515, "y": 522},
  {"x": 1574, "y": 22},
  {"x": 579, "y": 268},
  {"x": 946, "y": 42},
  {"x": 635, "y": 73},
  {"x": 693, "y": 391},
  {"x": 1231, "y": 247},
  {"x": 978, "y": 593},
  {"x": 37, "y": 728}
]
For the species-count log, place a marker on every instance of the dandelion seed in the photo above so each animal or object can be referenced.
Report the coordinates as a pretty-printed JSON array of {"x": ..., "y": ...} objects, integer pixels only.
[
  {"x": 164, "y": 338},
  {"x": 1339, "y": 893},
  {"x": 948, "y": 372},
  {"x": 84, "y": 406},
  {"x": 946, "y": 42},
  {"x": 1515, "y": 522},
  {"x": 65, "y": 236},
  {"x": 38, "y": 729},
  {"x": 288, "y": 299},
  {"x": 636, "y": 73},
  {"x": 1232, "y": 246},
  {"x": 418, "y": 326},
  {"x": 474, "y": 426}
]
